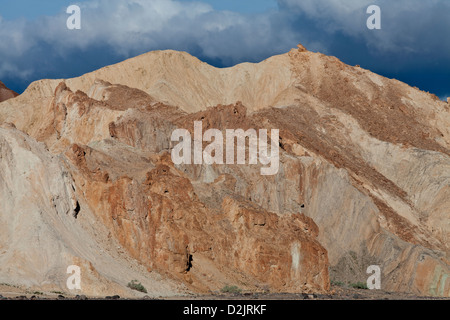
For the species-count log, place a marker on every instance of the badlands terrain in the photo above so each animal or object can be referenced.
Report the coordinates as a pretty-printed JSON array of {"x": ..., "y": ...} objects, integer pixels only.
[{"x": 87, "y": 179}]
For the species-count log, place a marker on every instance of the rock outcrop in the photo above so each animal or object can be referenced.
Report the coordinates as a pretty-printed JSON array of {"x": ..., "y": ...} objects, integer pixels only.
[
  {"x": 6, "y": 93},
  {"x": 42, "y": 232},
  {"x": 363, "y": 179}
]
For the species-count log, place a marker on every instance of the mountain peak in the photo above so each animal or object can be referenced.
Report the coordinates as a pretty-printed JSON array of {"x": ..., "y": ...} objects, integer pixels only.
[{"x": 301, "y": 48}]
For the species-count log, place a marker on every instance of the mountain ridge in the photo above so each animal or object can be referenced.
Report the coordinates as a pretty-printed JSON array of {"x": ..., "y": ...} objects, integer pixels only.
[{"x": 364, "y": 174}]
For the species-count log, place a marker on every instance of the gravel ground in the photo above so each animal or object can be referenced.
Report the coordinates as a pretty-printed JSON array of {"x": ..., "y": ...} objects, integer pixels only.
[{"x": 336, "y": 293}]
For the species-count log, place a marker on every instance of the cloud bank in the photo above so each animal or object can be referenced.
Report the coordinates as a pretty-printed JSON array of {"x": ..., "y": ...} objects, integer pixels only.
[{"x": 411, "y": 46}]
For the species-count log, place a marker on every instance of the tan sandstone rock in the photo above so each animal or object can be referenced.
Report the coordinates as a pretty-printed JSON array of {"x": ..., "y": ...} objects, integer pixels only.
[{"x": 363, "y": 178}]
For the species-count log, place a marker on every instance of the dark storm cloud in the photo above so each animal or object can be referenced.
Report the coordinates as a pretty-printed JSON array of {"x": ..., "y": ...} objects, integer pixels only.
[{"x": 411, "y": 46}]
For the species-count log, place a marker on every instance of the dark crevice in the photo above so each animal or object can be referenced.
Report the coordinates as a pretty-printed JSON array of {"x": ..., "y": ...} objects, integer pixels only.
[
  {"x": 189, "y": 263},
  {"x": 76, "y": 210},
  {"x": 281, "y": 144}
]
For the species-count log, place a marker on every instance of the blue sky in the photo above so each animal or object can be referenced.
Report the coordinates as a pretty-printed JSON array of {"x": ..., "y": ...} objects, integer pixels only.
[
  {"x": 412, "y": 46},
  {"x": 32, "y": 9}
]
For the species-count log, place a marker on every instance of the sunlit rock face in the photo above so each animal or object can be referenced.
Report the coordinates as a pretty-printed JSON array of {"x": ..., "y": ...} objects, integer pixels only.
[{"x": 87, "y": 178}]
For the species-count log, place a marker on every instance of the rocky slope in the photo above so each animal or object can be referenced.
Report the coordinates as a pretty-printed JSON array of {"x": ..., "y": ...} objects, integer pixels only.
[
  {"x": 86, "y": 178},
  {"x": 6, "y": 93}
]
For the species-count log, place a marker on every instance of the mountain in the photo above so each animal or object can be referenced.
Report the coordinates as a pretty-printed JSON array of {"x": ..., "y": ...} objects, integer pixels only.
[
  {"x": 6, "y": 93},
  {"x": 87, "y": 179}
]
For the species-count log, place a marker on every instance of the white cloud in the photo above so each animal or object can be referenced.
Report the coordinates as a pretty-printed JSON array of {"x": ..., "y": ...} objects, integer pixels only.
[
  {"x": 407, "y": 25},
  {"x": 129, "y": 27},
  {"x": 13, "y": 37},
  {"x": 20, "y": 73}
]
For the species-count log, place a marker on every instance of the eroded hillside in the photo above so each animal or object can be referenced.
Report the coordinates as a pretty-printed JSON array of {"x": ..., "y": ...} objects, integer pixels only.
[{"x": 86, "y": 178}]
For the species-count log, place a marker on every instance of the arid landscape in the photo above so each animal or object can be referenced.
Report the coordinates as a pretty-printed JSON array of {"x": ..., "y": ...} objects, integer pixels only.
[{"x": 87, "y": 179}]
